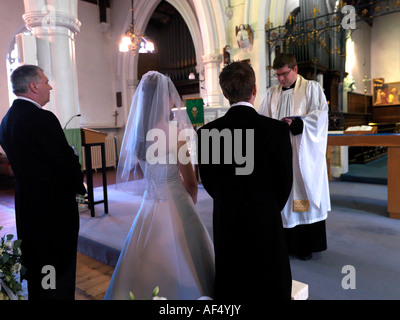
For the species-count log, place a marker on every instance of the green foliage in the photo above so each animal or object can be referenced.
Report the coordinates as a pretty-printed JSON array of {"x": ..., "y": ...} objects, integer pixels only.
[
  {"x": 155, "y": 293},
  {"x": 10, "y": 266}
]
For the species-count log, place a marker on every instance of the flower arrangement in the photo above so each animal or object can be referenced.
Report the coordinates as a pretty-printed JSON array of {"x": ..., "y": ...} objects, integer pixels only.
[
  {"x": 10, "y": 266},
  {"x": 155, "y": 296}
]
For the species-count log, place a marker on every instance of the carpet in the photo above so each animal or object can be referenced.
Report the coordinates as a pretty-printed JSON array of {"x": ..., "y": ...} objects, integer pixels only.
[
  {"x": 103, "y": 236},
  {"x": 374, "y": 172},
  {"x": 359, "y": 234}
]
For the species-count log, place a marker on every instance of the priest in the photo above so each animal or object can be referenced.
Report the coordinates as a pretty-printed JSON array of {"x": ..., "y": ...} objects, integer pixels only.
[{"x": 302, "y": 104}]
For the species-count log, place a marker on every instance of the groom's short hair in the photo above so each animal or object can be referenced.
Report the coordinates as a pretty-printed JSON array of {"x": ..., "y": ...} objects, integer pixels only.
[{"x": 237, "y": 81}]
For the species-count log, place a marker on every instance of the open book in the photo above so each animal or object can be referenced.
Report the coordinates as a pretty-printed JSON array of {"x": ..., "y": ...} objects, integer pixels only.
[{"x": 361, "y": 130}]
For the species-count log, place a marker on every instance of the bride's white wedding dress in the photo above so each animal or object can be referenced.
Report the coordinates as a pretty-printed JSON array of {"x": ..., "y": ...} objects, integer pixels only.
[{"x": 167, "y": 246}]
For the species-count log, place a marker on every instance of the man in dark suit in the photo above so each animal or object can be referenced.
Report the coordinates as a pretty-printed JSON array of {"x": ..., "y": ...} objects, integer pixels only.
[
  {"x": 48, "y": 177},
  {"x": 248, "y": 173}
]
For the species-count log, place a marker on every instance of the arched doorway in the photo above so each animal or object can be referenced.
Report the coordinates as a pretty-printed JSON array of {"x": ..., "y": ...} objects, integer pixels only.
[
  {"x": 174, "y": 53},
  {"x": 128, "y": 64}
]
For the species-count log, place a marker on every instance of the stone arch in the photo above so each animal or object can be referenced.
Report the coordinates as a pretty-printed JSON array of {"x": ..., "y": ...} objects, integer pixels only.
[{"x": 128, "y": 63}]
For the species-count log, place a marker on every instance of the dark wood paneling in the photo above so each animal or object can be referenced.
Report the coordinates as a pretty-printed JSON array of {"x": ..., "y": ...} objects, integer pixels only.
[
  {"x": 341, "y": 121},
  {"x": 147, "y": 62},
  {"x": 359, "y": 103},
  {"x": 174, "y": 44},
  {"x": 331, "y": 88},
  {"x": 386, "y": 114},
  {"x": 355, "y": 119},
  {"x": 107, "y": 2}
]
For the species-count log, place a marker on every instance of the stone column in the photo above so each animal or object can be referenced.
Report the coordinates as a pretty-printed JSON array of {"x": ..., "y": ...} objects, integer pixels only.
[
  {"x": 54, "y": 25},
  {"x": 212, "y": 65}
]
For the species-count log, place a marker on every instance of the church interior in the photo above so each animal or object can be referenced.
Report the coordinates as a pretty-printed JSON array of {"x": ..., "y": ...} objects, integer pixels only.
[{"x": 352, "y": 49}]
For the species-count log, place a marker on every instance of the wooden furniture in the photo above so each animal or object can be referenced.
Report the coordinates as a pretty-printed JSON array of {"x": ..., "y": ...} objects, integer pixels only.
[
  {"x": 386, "y": 117},
  {"x": 358, "y": 103},
  {"x": 359, "y": 112},
  {"x": 386, "y": 114},
  {"x": 91, "y": 138},
  {"x": 392, "y": 142}
]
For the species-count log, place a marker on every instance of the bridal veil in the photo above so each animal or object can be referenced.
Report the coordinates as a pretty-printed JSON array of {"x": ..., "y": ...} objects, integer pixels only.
[{"x": 157, "y": 119}]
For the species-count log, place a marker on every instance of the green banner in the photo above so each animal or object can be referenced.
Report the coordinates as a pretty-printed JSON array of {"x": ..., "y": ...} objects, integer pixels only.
[
  {"x": 74, "y": 139},
  {"x": 195, "y": 111}
]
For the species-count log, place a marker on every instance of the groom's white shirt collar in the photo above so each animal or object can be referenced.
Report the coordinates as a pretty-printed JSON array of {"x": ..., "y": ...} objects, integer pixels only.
[{"x": 242, "y": 103}]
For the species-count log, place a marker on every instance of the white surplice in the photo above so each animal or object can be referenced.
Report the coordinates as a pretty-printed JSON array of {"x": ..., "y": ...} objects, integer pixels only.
[{"x": 310, "y": 179}]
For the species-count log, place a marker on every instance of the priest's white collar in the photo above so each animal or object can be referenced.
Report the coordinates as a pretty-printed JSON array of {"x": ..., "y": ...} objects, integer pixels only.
[
  {"x": 242, "y": 103},
  {"x": 30, "y": 100}
]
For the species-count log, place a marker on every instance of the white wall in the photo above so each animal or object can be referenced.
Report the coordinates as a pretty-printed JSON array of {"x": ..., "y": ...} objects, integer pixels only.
[
  {"x": 93, "y": 57},
  {"x": 11, "y": 23},
  {"x": 252, "y": 13},
  {"x": 358, "y": 61},
  {"x": 385, "y": 48},
  {"x": 97, "y": 101}
]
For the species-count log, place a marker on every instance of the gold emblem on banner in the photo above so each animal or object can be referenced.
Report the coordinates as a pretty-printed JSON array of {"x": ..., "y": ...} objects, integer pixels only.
[{"x": 194, "y": 112}]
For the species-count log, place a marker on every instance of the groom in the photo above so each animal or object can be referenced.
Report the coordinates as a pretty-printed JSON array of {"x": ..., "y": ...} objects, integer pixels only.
[{"x": 251, "y": 258}]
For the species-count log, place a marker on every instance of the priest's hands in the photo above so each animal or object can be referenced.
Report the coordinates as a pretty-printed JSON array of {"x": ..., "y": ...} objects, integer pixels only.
[
  {"x": 296, "y": 124},
  {"x": 288, "y": 120}
]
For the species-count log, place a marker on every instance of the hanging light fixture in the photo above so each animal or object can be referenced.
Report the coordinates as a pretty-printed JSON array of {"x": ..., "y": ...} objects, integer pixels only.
[{"x": 131, "y": 40}]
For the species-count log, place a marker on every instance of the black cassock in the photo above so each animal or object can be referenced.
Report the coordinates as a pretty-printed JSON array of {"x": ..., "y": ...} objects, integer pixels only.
[
  {"x": 250, "y": 250},
  {"x": 48, "y": 177}
]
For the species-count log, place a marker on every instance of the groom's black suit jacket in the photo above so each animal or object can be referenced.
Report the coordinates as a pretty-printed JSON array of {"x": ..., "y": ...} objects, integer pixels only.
[
  {"x": 250, "y": 250},
  {"x": 48, "y": 177}
]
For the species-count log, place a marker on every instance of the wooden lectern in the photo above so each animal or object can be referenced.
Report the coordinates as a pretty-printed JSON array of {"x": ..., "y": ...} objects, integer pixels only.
[{"x": 91, "y": 138}]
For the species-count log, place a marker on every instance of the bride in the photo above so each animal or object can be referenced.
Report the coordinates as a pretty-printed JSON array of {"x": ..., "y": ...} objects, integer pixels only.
[{"x": 168, "y": 245}]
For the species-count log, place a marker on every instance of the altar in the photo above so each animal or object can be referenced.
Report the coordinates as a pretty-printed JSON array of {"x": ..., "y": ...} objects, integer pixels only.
[
  {"x": 392, "y": 142},
  {"x": 212, "y": 113}
]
